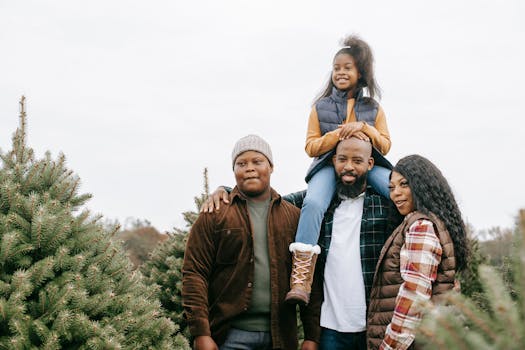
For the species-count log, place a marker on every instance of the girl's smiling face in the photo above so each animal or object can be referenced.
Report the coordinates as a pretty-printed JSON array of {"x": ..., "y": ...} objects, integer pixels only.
[
  {"x": 401, "y": 194},
  {"x": 344, "y": 72}
]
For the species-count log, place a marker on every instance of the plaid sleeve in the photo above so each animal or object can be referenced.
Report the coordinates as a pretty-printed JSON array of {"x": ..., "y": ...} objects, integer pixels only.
[{"x": 420, "y": 257}]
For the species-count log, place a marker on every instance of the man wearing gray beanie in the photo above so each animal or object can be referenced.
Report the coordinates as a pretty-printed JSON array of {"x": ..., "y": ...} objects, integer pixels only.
[
  {"x": 252, "y": 143},
  {"x": 237, "y": 265}
]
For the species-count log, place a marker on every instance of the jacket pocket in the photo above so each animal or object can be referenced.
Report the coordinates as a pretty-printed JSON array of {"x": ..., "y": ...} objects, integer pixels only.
[{"x": 230, "y": 246}]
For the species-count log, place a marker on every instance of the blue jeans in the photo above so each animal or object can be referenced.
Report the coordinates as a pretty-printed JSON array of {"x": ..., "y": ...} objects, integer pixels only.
[
  {"x": 321, "y": 188},
  {"x": 379, "y": 179},
  {"x": 237, "y": 339},
  {"x": 334, "y": 340}
]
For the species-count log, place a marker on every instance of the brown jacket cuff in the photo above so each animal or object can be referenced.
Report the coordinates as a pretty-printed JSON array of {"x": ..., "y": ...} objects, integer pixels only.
[
  {"x": 199, "y": 326},
  {"x": 312, "y": 332}
]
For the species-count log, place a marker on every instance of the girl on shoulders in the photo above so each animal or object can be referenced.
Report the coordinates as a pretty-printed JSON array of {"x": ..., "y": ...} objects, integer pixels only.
[{"x": 340, "y": 112}]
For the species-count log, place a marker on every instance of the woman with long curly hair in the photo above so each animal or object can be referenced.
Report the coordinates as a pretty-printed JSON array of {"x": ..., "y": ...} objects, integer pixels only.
[{"x": 420, "y": 259}]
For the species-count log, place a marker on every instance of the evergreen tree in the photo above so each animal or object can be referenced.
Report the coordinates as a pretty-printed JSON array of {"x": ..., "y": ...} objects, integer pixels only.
[
  {"x": 63, "y": 283},
  {"x": 165, "y": 266},
  {"x": 500, "y": 325}
]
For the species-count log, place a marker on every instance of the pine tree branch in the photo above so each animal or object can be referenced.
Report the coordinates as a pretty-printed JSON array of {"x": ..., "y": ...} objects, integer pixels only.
[{"x": 20, "y": 136}]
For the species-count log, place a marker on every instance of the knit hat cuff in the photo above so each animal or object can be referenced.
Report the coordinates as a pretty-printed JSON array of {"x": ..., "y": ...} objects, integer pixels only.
[{"x": 252, "y": 143}]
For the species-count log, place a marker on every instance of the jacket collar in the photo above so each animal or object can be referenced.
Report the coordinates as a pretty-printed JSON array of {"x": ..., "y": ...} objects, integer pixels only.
[
  {"x": 342, "y": 95},
  {"x": 237, "y": 195}
]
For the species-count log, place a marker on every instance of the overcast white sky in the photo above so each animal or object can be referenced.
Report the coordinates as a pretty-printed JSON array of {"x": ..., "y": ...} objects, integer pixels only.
[{"x": 142, "y": 95}]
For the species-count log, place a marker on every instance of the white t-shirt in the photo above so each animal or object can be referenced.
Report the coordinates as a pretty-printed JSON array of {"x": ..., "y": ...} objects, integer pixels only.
[{"x": 344, "y": 305}]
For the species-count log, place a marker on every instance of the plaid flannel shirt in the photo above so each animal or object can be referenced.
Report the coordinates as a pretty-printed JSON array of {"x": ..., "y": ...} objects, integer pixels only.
[
  {"x": 419, "y": 260},
  {"x": 374, "y": 230}
]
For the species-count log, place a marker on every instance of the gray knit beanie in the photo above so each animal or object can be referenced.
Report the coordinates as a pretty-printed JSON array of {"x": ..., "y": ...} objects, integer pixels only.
[{"x": 252, "y": 143}]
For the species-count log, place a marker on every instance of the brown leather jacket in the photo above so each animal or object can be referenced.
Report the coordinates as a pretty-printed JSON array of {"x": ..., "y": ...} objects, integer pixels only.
[
  {"x": 388, "y": 280},
  {"x": 218, "y": 272}
]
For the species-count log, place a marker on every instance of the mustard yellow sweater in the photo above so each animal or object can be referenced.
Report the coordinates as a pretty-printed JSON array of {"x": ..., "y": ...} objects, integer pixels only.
[{"x": 317, "y": 144}]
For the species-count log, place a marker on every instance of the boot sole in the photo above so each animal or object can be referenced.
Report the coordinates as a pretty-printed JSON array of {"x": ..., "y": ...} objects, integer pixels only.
[{"x": 296, "y": 298}]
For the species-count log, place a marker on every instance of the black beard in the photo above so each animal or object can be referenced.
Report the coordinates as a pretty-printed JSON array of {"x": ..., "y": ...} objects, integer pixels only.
[{"x": 351, "y": 191}]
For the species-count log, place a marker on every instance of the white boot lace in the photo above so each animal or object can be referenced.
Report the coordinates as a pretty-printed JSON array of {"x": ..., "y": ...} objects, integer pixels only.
[{"x": 300, "y": 269}]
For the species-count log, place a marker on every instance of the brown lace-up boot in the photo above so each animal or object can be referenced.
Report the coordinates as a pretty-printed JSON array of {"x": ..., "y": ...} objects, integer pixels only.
[{"x": 304, "y": 259}]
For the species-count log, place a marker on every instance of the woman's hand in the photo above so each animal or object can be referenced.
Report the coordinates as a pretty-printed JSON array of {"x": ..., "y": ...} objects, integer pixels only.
[
  {"x": 348, "y": 130},
  {"x": 214, "y": 200}
]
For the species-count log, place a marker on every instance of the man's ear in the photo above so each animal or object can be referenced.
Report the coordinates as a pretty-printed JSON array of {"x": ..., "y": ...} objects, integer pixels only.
[
  {"x": 334, "y": 159},
  {"x": 370, "y": 163}
]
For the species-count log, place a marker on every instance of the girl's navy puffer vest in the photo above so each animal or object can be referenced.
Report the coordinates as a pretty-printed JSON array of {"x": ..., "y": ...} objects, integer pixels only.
[{"x": 332, "y": 111}]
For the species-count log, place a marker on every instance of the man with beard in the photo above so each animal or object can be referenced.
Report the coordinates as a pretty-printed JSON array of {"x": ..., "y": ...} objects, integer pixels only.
[{"x": 354, "y": 229}]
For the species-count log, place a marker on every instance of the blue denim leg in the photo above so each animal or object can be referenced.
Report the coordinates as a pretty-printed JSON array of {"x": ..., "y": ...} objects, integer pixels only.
[
  {"x": 321, "y": 188},
  {"x": 334, "y": 340},
  {"x": 238, "y": 339},
  {"x": 378, "y": 178}
]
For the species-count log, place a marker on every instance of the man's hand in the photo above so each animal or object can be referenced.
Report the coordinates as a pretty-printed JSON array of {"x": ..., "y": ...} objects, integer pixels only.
[
  {"x": 214, "y": 200},
  {"x": 204, "y": 342},
  {"x": 309, "y": 345}
]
